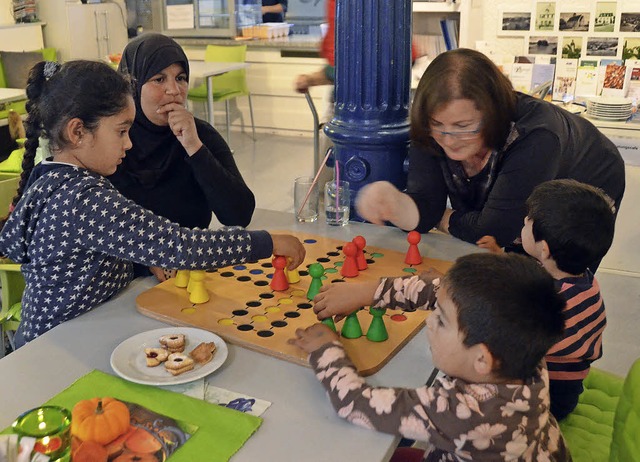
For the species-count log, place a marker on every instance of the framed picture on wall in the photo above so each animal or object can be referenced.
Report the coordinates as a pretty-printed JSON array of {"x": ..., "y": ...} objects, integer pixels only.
[
  {"x": 630, "y": 22},
  {"x": 514, "y": 22},
  {"x": 545, "y": 15},
  {"x": 542, "y": 45},
  {"x": 630, "y": 48},
  {"x": 571, "y": 47},
  {"x": 602, "y": 46},
  {"x": 605, "y": 19},
  {"x": 574, "y": 21}
]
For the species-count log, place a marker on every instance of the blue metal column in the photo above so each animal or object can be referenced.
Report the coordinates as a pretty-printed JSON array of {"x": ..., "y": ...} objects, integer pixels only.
[{"x": 370, "y": 129}]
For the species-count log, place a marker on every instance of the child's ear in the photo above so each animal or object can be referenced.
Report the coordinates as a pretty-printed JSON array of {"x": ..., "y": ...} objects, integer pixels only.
[
  {"x": 75, "y": 131},
  {"x": 484, "y": 362},
  {"x": 545, "y": 253}
]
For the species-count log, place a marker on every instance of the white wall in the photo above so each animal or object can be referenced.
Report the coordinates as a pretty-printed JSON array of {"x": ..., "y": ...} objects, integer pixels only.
[{"x": 6, "y": 9}]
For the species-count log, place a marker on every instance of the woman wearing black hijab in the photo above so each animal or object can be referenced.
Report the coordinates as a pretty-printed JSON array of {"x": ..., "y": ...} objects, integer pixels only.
[{"x": 179, "y": 167}]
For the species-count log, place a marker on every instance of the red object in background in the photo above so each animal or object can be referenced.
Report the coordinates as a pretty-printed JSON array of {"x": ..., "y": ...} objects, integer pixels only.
[
  {"x": 350, "y": 266},
  {"x": 413, "y": 254},
  {"x": 279, "y": 281},
  {"x": 361, "y": 261}
]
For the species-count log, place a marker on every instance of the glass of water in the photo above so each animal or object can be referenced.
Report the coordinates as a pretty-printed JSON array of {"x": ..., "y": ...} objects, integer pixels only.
[{"x": 337, "y": 201}]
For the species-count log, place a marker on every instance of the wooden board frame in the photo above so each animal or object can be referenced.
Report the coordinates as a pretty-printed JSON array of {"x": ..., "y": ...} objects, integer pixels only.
[{"x": 255, "y": 317}]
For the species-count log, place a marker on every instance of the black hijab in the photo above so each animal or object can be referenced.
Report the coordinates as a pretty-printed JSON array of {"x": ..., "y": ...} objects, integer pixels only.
[{"x": 155, "y": 147}]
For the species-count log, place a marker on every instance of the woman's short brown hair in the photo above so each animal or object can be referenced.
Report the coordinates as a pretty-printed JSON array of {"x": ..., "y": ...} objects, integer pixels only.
[{"x": 464, "y": 74}]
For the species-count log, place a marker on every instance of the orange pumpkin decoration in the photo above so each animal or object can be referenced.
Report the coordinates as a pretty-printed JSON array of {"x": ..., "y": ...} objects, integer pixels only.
[
  {"x": 90, "y": 451},
  {"x": 141, "y": 441},
  {"x": 135, "y": 457},
  {"x": 99, "y": 419}
]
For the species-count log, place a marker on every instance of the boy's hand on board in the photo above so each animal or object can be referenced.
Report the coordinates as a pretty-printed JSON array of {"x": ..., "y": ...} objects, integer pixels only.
[
  {"x": 289, "y": 246},
  {"x": 313, "y": 337}
]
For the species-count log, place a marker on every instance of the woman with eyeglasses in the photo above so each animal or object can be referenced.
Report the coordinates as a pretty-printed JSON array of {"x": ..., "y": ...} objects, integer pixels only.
[{"x": 484, "y": 147}]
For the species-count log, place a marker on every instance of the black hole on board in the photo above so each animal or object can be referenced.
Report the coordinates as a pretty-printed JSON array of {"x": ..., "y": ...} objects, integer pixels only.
[
  {"x": 304, "y": 306},
  {"x": 267, "y": 265},
  {"x": 245, "y": 327},
  {"x": 370, "y": 261},
  {"x": 265, "y": 333},
  {"x": 279, "y": 324},
  {"x": 253, "y": 303},
  {"x": 303, "y": 273},
  {"x": 337, "y": 280},
  {"x": 323, "y": 260},
  {"x": 212, "y": 271},
  {"x": 261, "y": 283},
  {"x": 227, "y": 274},
  {"x": 240, "y": 312},
  {"x": 339, "y": 247},
  {"x": 333, "y": 254},
  {"x": 266, "y": 295},
  {"x": 292, "y": 314},
  {"x": 244, "y": 278}
]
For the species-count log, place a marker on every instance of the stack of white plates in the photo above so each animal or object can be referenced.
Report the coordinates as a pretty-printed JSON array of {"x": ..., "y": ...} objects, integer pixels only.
[{"x": 609, "y": 108}]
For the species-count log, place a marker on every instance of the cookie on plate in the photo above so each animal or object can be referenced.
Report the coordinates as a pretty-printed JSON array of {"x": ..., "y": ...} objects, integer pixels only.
[
  {"x": 203, "y": 353},
  {"x": 173, "y": 342},
  {"x": 178, "y": 363},
  {"x": 155, "y": 356}
]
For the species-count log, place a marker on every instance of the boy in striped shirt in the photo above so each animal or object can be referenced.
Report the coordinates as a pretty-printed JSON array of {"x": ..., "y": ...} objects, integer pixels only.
[{"x": 569, "y": 225}]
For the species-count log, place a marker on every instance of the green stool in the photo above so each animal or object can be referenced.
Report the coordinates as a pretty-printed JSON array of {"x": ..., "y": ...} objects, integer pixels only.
[{"x": 606, "y": 423}]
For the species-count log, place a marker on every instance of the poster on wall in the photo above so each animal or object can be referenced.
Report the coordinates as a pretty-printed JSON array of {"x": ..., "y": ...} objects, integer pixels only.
[
  {"x": 605, "y": 19},
  {"x": 630, "y": 22},
  {"x": 602, "y": 46},
  {"x": 574, "y": 21},
  {"x": 514, "y": 22},
  {"x": 539, "y": 45},
  {"x": 571, "y": 47},
  {"x": 545, "y": 15},
  {"x": 631, "y": 48}
]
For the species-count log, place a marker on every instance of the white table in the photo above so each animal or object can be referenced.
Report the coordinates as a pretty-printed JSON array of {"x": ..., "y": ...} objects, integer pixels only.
[
  {"x": 299, "y": 425},
  {"x": 7, "y": 95},
  {"x": 209, "y": 69}
]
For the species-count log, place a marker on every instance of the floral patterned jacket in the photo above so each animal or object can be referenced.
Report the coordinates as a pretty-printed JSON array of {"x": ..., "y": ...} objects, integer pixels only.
[{"x": 459, "y": 420}]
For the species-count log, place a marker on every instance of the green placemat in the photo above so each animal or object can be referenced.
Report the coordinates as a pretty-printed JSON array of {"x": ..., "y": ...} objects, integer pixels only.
[{"x": 221, "y": 431}]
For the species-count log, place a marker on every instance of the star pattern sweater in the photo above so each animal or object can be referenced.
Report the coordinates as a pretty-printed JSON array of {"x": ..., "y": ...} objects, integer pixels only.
[{"x": 76, "y": 237}]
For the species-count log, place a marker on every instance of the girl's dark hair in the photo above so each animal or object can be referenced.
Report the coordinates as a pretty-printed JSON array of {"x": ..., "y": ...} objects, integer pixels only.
[
  {"x": 464, "y": 74},
  {"x": 87, "y": 90},
  {"x": 509, "y": 303}
]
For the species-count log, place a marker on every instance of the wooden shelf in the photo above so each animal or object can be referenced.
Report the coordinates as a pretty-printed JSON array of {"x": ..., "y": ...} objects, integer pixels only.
[{"x": 435, "y": 7}]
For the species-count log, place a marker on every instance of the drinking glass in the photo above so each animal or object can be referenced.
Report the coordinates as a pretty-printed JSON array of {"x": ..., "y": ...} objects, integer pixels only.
[
  {"x": 337, "y": 201},
  {"x": 305, "y": 199},
  {"x": 51, "y": 427}
]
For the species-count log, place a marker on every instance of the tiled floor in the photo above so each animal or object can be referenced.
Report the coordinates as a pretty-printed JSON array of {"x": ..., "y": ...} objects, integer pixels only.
[{"x": 270, "y": 165}]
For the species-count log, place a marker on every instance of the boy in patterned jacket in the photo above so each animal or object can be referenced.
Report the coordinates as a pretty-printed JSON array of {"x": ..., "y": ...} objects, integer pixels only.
[{"x": 495, "y": 318}]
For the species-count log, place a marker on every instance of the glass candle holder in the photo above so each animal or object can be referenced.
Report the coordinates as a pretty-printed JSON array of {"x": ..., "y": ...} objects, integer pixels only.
[{"x": 51, "y": 427}]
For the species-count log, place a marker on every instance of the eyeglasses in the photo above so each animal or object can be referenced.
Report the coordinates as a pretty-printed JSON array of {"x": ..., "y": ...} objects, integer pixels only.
[{"x": 459, "y": 135}]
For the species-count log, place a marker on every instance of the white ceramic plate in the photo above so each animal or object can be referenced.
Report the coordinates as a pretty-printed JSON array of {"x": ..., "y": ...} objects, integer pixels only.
[{"x": 129, "y": 361}]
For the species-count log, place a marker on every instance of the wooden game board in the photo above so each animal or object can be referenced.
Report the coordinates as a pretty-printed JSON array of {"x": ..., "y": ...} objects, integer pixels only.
[{"x": 245, "y": 311}]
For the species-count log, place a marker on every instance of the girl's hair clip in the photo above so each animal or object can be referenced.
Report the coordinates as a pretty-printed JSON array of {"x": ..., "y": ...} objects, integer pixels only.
[{"x": 50, "y": 68}]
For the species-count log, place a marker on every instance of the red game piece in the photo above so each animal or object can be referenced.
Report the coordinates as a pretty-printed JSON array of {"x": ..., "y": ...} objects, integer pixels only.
[
  {"x": 349, "y": 266},
  {"x": 360, "y": 242},
  {"x": 413, "y": 254},
  {"x": 279, "y": 281}
]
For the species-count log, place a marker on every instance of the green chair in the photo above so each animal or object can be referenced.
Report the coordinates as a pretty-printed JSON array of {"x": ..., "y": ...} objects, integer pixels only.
[
  {"x": 605, "y": 425},
  {"x": 13, "y": 284},
  {"x": 226, "y": 86},
  {"x": 8, "y": 187}
]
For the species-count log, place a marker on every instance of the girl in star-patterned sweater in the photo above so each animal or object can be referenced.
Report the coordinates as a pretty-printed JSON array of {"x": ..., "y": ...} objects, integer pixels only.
[
  {"x": 495, "y": 318},
  {"x": 74, "y": 234}
]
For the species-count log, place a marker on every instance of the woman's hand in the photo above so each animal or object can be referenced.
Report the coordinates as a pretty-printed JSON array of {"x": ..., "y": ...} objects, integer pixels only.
[
  {"x": 340, "y": 300},
  {"x": 489, "y": 243},
  {"x": 313, "y": 337},
  {"x": 183, "y": 126},
  {"x": 289, "y": 246},
  {"x": 381, "y": 201},
  {"x": 444, "y": 221}
]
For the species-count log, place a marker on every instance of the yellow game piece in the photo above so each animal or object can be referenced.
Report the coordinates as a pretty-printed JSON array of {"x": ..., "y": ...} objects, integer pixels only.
[
  {"x": 198, "y": 292},
  {"x": 182, "y": 279},
  {"x": 293, "y": 276}
]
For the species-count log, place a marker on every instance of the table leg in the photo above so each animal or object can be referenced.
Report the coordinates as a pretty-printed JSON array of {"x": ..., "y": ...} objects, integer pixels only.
[{"x": 210, "y": 98}]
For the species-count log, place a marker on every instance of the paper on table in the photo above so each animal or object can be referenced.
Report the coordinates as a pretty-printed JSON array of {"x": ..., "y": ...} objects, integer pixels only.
[{"x": 200, "y": 389}]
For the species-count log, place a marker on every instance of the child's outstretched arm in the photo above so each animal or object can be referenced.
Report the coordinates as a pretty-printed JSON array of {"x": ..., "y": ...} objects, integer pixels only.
[{"x": 341, "y": 300}]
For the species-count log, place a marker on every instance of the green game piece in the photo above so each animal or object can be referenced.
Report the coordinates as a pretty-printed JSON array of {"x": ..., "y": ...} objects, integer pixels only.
[
  {"x": 377, "y": 331},
  {"x": 316, "y": 270},
  {"x": 351, "y": 327},
  {"x": 329, "y": 322}
]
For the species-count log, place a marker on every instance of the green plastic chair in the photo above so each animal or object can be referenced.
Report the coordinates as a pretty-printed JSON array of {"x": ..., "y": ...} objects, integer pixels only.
[
  {"x": 13, "y": 285},
  {"x": 226, "y": 86},
  {"x": 605, "y": 425}
]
